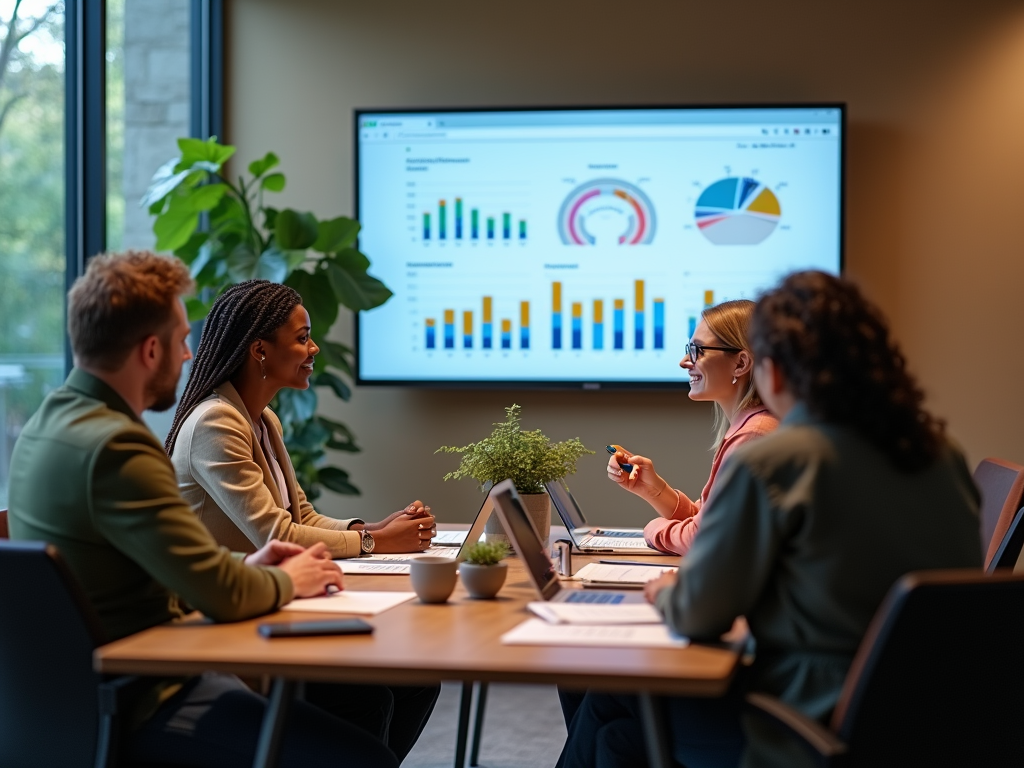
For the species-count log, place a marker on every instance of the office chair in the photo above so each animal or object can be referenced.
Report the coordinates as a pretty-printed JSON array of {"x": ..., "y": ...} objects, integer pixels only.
[
  {"x": 936, "y": 680},
  {"x": 54, "y": 709},
  {"x": 1008, "y": 552},
  {"x": 1002, "y": 494}
]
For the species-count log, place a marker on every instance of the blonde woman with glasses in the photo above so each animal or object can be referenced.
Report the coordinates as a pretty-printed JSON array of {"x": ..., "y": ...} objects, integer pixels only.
[{"x": 720, "y": 365}]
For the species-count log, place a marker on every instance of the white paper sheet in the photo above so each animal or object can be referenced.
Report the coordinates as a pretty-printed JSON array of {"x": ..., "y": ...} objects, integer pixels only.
[
  {"x": 450, "y": 538},
  {"x": 617, "y": 542},
  {"x": 621, "y": 574},
  {"x": 362, "y": 603},
  {"x": 539, "y": 632},
  {"x": 360, "y": 566},
  {"x": 589, "y": 613},
  {"x": 405, "y": 557}
]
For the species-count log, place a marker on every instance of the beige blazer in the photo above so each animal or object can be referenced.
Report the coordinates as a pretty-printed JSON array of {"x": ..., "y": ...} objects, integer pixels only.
[{"x": 225, "y": 477}]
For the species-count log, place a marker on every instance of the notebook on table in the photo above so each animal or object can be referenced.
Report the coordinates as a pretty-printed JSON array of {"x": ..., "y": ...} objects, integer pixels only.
[
  {"x": 509, "y": 508},
  {"x": 593, "y": 539}
]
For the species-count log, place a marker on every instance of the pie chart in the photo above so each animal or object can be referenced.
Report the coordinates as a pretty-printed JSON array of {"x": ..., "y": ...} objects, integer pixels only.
[{"x": 737, "y": 211}]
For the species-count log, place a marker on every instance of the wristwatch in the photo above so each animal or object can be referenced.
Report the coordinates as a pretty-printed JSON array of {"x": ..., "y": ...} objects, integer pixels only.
[{"x": 366, "y": 543}]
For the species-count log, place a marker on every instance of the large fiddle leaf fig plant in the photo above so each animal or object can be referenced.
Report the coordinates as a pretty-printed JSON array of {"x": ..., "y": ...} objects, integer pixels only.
[{"x": 226, "y": 232}]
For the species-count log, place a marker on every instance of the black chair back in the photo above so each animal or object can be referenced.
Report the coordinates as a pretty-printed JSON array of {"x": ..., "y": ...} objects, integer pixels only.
[
  {"x": 1008, "y": 553},
  {"x": 49, "y": 710},
  {"x": 938, "y": 678}
]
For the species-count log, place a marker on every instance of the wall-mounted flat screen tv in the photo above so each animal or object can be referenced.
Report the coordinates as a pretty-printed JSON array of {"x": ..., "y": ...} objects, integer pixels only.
[{"x": 577, "y": 247}]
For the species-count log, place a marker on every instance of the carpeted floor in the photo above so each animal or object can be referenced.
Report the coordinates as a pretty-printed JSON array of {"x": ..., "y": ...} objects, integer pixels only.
[{"x": 523, "y": 728}]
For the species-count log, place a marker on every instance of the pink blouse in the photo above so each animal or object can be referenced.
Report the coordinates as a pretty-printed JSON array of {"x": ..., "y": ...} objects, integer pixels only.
[{"x": 676, "y": 534}]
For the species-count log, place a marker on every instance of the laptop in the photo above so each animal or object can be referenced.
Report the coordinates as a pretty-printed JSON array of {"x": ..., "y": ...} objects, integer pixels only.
[
  {"x": 590, "y": 539},
  {"x": 469, "y": 538},
  {"x": 526, "y": 540}
]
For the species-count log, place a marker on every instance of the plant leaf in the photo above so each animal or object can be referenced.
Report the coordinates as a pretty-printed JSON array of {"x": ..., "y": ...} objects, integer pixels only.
[
  {"x": 197, "y": 309},
  {"x": 336, "y": 480},
  {"x": 259, "y": 167},
  {"x": 190, "y": 250},
  {"x": 196, "y": 150},
  {"x": 336, "y": 234},
  {"x": 269, "y": 218},
  {"x": 317, "y": 297},
  {"x": 273, "y": 183},
  {"x": 175, "y": 226},
  {"x": 241, "y": 263},
  {"x": 294, "y": 230},
  {"x": 328, "y": 379},
  {"x": 335, "y": 355},
  {"x": 352, "y": 260},
  {"x": 164, "y": 181},
  {"x": 356, "y": 289},
  {"x": 206, "y": 197},
  {"x": 296, "y": 405}
]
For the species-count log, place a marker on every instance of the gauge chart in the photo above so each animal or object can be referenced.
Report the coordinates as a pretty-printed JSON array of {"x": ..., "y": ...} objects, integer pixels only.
[
  {"x": 606, "y": 211},
  {"x": 737, "y": 211}
]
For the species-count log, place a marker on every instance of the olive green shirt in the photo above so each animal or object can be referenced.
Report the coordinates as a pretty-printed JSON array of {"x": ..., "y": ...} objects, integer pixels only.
[
  {"x": 804, "y": 533},
  {"x": 89, "y": 477}
]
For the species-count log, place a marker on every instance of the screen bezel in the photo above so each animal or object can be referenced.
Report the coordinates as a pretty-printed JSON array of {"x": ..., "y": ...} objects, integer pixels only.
[{"x": 563, "y": 384}]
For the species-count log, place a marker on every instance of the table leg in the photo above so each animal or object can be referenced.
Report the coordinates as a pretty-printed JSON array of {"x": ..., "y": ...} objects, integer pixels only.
[
  {"x": 268, "y": 748},
  {"x": 652, "y": 714},
  {"x": 478, "y": 724},
  {"x": 465, "y": 704}
]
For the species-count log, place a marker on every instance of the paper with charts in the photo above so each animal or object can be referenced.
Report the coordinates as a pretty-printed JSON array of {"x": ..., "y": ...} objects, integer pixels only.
[
  {"x": 596, "y": 613},
  {"x": 539, "y": 632},
  {"x": 373, "y": 567},
  {"x": 345, "y": 601}
]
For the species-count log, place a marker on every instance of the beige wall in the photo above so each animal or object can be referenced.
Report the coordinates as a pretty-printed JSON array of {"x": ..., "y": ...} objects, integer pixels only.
[{"x": 935, "y": 183}]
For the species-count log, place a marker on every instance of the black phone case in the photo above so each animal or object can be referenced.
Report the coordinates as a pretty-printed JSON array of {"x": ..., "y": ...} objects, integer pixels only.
[{"x": 308, "y": 628}]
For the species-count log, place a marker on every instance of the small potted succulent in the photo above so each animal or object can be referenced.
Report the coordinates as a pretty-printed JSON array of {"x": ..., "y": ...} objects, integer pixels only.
[
  {"x": 526, "y": 457},
  {"x": 482, "y": 570}
]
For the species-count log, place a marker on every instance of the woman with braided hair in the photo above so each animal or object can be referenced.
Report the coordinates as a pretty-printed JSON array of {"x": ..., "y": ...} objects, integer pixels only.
[
  {"x": 233, "y": 469},
  {"x": 806, "y": 530},
  {"x": 227, "y": 447}
]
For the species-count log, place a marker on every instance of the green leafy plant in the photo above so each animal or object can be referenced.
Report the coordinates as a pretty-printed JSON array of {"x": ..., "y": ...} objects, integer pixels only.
[
  {"x": 486, "y": 553},
  {"x": 527, "y": 457},
  {"x": 227, "y": 234}
]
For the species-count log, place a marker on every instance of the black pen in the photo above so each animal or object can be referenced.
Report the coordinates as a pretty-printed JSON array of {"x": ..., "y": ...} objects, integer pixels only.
[{"x": 635, "y": 562}]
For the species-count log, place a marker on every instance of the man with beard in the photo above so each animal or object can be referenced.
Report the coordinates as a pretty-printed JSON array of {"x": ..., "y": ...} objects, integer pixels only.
[{"x": 89, "y": 477}]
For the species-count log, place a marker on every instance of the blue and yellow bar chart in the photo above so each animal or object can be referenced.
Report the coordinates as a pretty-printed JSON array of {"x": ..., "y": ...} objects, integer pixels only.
[
  {"x": 449, "y": 329},
  {"x": 648, "y": 329},
  {"x": 556, "y": 315},
  {"x": 487, "y": 327}
]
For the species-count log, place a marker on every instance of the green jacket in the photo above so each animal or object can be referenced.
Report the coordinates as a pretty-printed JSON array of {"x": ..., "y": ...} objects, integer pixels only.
[
  {"x": 804, "y": 533},
  {"x": 90, "y": 478}
]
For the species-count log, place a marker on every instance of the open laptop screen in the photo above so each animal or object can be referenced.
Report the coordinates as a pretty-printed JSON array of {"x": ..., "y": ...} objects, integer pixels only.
[
  {"x": 566, "y": 505},
  {"x": 525, "y": 538}
]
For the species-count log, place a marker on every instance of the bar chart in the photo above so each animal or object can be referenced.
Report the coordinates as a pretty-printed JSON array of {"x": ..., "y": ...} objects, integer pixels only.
[
  {"x": 578, "y": 322},
  {"x": 446, "y": 225}
]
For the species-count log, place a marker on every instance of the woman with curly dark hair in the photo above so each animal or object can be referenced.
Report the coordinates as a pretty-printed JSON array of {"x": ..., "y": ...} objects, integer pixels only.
[{"x": 807, "y": 528}]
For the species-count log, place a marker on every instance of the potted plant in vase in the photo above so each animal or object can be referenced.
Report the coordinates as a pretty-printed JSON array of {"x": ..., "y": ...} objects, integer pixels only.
[
  {"x": 526, "y": 457},
  {"x": 482, "y": 570}
]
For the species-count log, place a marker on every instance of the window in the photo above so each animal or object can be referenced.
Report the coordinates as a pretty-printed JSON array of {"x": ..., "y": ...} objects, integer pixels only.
[{"x": 32, "y": 254}]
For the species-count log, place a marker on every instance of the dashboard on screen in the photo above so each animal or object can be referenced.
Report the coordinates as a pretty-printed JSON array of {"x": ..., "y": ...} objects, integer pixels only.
[{"x": 578, "y": 247}]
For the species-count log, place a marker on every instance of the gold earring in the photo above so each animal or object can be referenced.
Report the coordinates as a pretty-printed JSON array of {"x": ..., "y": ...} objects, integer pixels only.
[
  {"x": 264, "y": 370},
  {"x": 733, "y": 379}
]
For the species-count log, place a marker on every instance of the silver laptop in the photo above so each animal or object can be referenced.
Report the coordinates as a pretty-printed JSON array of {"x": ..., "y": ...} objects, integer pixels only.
[
  {"x": 588, "y": 538},
  {"x": 527, "y": 543},
  {"x": 468, "y": 539}
]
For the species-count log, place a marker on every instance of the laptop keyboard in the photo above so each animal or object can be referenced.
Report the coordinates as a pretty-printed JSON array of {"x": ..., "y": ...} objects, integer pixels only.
[
  {"x": 578, "y": 596},
  {"x": 619, "y": 534}
]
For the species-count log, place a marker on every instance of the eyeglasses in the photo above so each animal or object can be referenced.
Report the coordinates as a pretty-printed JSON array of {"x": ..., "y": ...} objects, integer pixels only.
[{"x": 695, "y": 350}]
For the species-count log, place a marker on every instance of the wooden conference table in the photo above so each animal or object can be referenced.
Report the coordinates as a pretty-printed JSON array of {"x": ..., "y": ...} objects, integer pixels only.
[{"x": 417, "y": 644}]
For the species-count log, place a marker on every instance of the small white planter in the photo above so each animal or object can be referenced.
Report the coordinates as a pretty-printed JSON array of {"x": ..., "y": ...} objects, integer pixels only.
[{"x": 482, "y": 581}]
